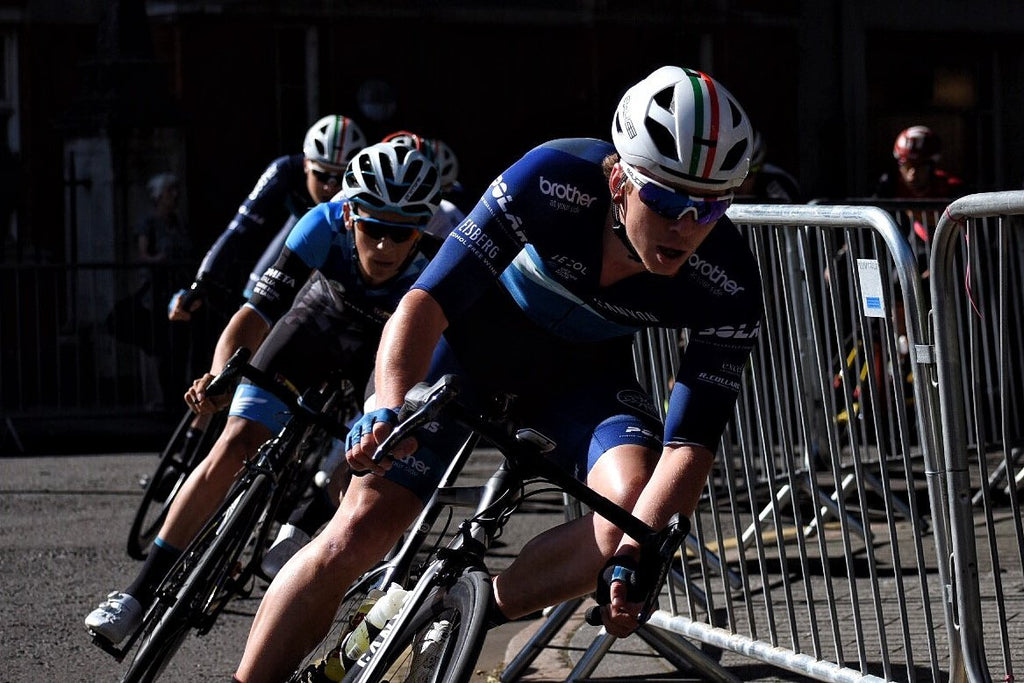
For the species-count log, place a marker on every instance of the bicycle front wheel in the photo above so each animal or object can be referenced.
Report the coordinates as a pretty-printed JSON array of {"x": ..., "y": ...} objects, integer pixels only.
[
  {"x": 442, "y": 641},
  {"x": 203, "y": 581},
  {"x": 176, "y": 462}
]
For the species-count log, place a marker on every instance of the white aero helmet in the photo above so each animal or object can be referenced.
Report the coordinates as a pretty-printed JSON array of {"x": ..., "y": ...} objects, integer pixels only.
[
  {"x": 684, "y": 127},
  {"x": 333, "y": 141},
  {"x": 393, "y": 176}
]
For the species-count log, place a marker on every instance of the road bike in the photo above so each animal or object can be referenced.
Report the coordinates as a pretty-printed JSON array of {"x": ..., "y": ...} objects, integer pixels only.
[
  {"x": 438, "y": 634},
  {"x": 223, "y": 560}
]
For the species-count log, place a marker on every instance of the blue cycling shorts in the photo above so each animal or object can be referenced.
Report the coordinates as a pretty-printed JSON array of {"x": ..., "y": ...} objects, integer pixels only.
[{"x": 585, "y": 418}]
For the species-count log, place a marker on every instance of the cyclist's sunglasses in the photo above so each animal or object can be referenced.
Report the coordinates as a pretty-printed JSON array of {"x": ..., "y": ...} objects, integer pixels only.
[
  {"x": 327, "y": 176},
  {"x": 673, "y": 205},
  {"x": 377, "y": 229}
]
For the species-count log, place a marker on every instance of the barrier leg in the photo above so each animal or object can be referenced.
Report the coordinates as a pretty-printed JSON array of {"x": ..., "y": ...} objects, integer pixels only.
[
  {"x": 14, "y": 434},
  {"x": 553, "y": 623}
]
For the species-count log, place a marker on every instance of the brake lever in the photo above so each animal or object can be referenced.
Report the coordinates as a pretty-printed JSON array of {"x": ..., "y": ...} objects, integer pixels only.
[{"x": 231, "y": 371}]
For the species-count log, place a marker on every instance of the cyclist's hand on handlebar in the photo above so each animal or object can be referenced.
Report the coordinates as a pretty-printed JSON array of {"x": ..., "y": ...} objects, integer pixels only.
[
  {"x": 619, "y": 595},
  {"x": 183, "y": 304},
  {"x": 621, "y": 616},
  {"x": 366, "y": 434},
  {"x": 199, "y": 402}
]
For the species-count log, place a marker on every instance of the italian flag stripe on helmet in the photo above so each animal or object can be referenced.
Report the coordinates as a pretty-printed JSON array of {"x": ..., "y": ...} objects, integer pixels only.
[
  {"x": 699, "y": 82},
  {"x": 339, "y": 138}
]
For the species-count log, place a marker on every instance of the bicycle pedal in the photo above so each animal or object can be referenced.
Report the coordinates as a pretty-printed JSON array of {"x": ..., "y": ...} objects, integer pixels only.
[{"x": 104, "y": 644}]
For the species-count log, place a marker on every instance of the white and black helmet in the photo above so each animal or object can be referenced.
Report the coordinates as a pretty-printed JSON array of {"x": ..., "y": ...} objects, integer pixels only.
[
  {"x": 392, "y": 176},
  {"x": 684, "y": 127},
  {"x": 333, "y": 141},
  {"x": 447, "y": 162},
  {"x": 436, "y": 150}
]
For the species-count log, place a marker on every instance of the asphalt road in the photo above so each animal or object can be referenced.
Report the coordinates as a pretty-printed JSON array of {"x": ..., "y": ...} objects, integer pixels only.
[{"x": 63, "y": 525}]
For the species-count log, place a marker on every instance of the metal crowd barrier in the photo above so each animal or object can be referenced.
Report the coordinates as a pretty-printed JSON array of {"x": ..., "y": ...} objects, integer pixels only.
[
  {"x": 977, "y": 283},
  {"x": 828, "y": 501},
  {"x": 92, "y": 341}
]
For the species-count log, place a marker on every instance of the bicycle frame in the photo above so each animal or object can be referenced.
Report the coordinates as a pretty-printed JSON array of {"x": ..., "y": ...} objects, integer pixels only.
[{"x": 523, "y": 450}]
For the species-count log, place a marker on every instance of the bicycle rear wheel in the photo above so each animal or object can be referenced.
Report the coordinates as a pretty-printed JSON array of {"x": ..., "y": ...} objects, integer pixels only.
[
  {"x": 204, "y": 580},
  {"x": 173, "y": 468},
  {"x": 442, "y": 641}
]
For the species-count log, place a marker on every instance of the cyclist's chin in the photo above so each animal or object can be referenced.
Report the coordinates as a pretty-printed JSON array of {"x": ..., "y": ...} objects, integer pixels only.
[{"x": 664, "y": 261}]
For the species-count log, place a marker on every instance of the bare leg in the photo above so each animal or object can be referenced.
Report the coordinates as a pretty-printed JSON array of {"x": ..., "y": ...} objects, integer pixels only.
[
  {"x": 300, "y": 604},
  {"x": 620, "y": 475},
  {"x": 209, "y": 482}
]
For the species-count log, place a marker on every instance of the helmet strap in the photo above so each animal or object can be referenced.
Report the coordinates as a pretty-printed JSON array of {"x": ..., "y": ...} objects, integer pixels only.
[{"x": 619, "y": 228}]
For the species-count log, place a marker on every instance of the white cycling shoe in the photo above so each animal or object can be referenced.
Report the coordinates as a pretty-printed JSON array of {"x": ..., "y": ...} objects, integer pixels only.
[
  {"x": 116, "y": 617},
  {"x": 290, "y": 540}
]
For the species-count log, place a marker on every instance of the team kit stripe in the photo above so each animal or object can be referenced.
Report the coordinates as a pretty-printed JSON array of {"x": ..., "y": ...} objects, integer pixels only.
[
  {"x": 698, "y": 124},
  {"x": 339, "y": 137},
  {"x": 712, "y": 140},
  {"x": 704, "y": 103}
]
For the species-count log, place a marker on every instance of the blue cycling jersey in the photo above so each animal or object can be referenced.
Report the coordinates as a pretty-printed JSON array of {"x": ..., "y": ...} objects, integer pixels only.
[
  {"x": 538, "y": 232},
  {"x": 320, "y": 241},
  {"x": 334, "y": 321},
  {"x": 279, "y": 195}
]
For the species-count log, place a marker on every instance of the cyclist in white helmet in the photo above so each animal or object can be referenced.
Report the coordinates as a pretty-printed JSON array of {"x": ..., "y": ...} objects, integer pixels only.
[
  {"x": 539, "y": 293},
  {"x": 362, "y": 250},
  {"x": 448, "y": 214},
  {"x": 286, "y": 190}
]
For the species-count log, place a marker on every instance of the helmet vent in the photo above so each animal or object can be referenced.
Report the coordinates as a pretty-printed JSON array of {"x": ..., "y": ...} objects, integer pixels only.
[
  {"x": 737, "y": 113},
  {"x": 662, "y": 138},
  {"x": 735, "y": 155},
  {"x": 666, "y": 99}
]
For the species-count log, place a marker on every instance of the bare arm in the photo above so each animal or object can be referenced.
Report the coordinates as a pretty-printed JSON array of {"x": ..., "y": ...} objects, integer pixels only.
[
  {"x": 676, "y": 486},
  {"x": 246, "y": 328},
  {"x": 403, "y": 359}
]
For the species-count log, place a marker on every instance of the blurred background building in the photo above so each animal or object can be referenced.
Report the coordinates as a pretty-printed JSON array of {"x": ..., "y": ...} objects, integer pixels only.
[
  {"x": 111, "y": 89},
  {"x": 96, "y": 96}
]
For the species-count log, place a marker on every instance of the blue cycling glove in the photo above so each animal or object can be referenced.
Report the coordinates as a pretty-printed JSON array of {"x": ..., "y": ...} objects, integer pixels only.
[
  {"x": 174, "y": 298},
  {"x": 364, "y": 425},
  {"x": 620, "y": 568}
]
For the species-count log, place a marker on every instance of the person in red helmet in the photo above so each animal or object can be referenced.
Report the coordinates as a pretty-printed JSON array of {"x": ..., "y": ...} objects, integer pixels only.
[{"x": 917, "y": 152}]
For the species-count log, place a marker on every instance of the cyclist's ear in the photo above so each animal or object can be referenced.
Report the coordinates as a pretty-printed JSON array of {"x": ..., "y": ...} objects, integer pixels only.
[{"x": 346, "y": 216}]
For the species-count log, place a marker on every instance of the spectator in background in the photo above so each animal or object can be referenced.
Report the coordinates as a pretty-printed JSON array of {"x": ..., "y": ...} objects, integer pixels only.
[
  {"x": 161, "y": 236},
  {"x": 163, "y": 242},
  {"x": 767, "y": 183}
]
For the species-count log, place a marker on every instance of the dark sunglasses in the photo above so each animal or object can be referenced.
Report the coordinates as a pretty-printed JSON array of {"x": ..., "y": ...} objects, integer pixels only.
[
  {"x": 327, "y": 176},
  {"x": 673, "y": 205},
  {"x": 377, "y": 229}
]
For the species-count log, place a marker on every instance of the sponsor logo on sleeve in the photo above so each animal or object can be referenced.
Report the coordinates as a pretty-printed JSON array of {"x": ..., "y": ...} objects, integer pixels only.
[
  {"x": 473, "y": 236},
  {"x": 503, "y": 198}
]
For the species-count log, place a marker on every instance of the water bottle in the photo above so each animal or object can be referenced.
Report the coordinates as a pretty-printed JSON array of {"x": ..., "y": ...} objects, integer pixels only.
[
  {"x": 358, "y": 642},
  {"x": 331, "y": 669}
]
